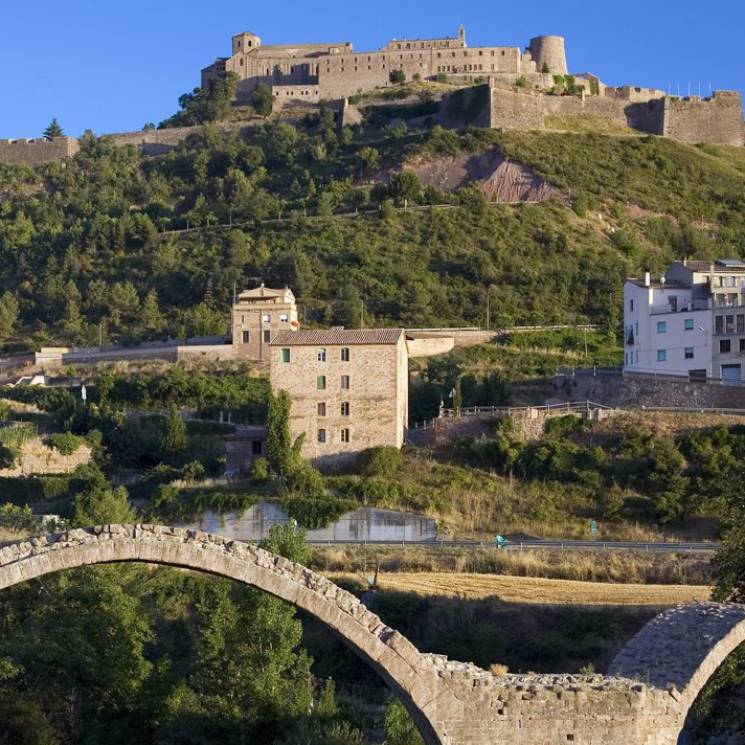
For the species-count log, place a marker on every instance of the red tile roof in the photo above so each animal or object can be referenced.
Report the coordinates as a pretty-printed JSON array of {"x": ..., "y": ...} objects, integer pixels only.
[{"x": 336, "y": 336}]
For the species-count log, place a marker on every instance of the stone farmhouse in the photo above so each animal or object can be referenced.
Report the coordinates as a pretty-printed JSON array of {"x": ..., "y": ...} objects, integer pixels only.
[
  {"x": 258, "y": 314},
  {"x": 349, "y": 389},
  {"x": 312, "y": 72}
]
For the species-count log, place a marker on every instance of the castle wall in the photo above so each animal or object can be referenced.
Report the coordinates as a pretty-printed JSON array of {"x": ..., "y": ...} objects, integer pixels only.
[
  {"x": 155, "y": 141},
  {"x": 513, "y": 108},
  {"x": 33, "y": 152},
  {"x": 715, "y": 120}
]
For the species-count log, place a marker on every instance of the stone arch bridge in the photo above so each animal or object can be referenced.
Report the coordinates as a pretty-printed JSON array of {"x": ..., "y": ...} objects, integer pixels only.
[{"x": 643, "y": 701}]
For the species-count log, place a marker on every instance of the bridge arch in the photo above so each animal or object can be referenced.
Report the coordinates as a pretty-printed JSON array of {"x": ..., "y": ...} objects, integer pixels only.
[
  {"x": 412, "y": 675},
  {"x": 680, "y": 649}
]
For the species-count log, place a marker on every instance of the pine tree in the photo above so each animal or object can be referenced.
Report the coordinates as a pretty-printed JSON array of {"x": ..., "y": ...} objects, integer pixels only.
[
  {"x": 174, "y": 439},
  {"x": 53, "y": 130},
  {"x": 8, "y": 314}
]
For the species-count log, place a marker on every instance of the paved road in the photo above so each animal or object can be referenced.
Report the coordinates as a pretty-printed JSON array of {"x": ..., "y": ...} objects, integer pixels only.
[{"x": 557, "y": 545}]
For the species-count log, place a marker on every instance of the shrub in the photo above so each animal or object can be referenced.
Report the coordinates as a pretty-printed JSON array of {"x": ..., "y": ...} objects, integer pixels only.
[
  {"x": 397, "y": 77},
  {"x": 260, "y": 469},
  {"x": 383, "y": 460},
  {"x": 9, "y": 456},
  {"x": 65, "y": 442},
  {"x": 317, "y": 513}
]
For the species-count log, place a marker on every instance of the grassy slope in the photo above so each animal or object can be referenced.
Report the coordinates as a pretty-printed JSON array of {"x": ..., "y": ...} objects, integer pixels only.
[{"x": 639, "y": 202}]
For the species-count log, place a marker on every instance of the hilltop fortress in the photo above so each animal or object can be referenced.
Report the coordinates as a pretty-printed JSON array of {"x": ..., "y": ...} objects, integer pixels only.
[
  {"x": 503, "y": 87},
  {"x": 327, "y": 71}
]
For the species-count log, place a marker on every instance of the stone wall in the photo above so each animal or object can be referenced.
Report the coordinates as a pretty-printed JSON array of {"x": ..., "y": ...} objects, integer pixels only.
[
  {"x": 718, "y": 120},
  {"x": 636, "y": 391},
  {"x": 33, "y": 152},
  {"x": 516, "y": 108},
  {"x": 715, "y": 120},
  {"x": 38, "y": 458}
]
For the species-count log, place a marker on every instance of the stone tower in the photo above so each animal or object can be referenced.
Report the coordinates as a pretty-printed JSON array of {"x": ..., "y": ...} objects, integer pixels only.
[
  {"x": 549, "y": 51},
  {"x": 245, "y": 42},
  {"x": 462, "y": 34}
]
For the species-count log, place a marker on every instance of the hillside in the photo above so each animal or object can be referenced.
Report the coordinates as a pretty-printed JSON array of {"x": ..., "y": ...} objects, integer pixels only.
[{"x": 88, "y": 247}]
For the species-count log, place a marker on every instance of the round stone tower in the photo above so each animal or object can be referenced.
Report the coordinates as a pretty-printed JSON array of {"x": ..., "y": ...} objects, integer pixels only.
[{"x": 548, "y": 52}]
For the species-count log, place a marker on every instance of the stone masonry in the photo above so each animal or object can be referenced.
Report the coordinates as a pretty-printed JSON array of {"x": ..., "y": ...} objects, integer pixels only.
[{"x": 452, "y": 703}]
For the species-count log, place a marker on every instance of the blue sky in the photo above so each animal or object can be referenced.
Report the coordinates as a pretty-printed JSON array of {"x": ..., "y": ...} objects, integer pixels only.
[{"x": 105, "y": 66}]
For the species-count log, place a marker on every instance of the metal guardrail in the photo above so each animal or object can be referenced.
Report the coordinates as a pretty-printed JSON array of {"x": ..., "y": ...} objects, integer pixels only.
[
  {"x": 470, "y": 411},
  {"x": 541, "y": 545}
]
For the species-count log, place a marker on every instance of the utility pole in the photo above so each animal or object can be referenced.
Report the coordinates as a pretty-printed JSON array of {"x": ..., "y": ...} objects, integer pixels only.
[{"x": 362, "y": 314}]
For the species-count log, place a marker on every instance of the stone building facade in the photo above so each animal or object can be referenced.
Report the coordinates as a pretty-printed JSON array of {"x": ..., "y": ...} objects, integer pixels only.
[
  {"x": 258, "y": 315},
  {"x": 310, "y": 72},
  {"x": 349, "y": 389}
]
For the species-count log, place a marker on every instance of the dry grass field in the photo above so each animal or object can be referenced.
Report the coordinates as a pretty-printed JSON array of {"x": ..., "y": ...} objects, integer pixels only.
[{"x": 535, "y": 590}]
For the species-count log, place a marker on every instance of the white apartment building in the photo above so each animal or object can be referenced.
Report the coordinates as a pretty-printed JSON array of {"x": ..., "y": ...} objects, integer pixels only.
[{"x": 688, "y": 323}]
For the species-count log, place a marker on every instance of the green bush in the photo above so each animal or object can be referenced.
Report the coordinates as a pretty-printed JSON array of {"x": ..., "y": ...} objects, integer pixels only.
[
  {"x": 260, "y": 469},
  {"x": 9, "y": 456},
  {"x": 383, "y": 460},
  {"x": 65, "y": 442},
  {"x": 317, "y": 513}
]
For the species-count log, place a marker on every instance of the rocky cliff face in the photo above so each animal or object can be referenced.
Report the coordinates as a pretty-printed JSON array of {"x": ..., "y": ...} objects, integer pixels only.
[{"x": 499, "y": 179}]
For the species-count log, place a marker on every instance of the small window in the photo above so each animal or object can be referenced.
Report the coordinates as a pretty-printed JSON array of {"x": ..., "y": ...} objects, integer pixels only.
[
  {"x": 345, "y": 382},
  {"x": 662, "y": 355},
  {"x": 246, "y": 337},
  {"x": 345, "y": 354},
  {"x": 689, "y": 353},
  {"x": 688, "y": 324},
  {"x": 322, "y": 435},
  {"x": 661, "y": 327},
  {"x": 321, "y": 408},
  {"x": 321, "y": 383},
  {"x": 256, "y": 447},
  {"x": 267, "y": 336},
  {"x": 741, "y": 324},
  {"x": 725, "y": 346},
  {"x": 729, "y": 324},
  {"x": 345, "y": 435},
  {"x": 345, "y": 406},
  {"x": 284, "y": 318},
  {"x": 266, "y": 317},
  {"x": 321, "y": 355},
  {"x": 742, "y": 345},
  {"x": 719, "y": 324},
  {"x": 631, "y": 304},
  {"x": 286, "y": 355}
]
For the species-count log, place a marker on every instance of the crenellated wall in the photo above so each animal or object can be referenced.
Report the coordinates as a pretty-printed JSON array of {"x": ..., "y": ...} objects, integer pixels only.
[
  {"x": 715, "y": 120},
  {"x": 32, "y": 152}
]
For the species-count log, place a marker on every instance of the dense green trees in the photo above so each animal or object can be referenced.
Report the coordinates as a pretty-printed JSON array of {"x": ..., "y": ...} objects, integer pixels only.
[
  {"x": 206, "y": 104},
  {"x": 123, "y": 654},
  {"x": 85, "y": 259}
]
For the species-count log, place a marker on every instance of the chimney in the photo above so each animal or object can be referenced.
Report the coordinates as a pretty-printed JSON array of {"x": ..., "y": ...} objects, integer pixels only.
[{"x": 647, "y": 279}]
